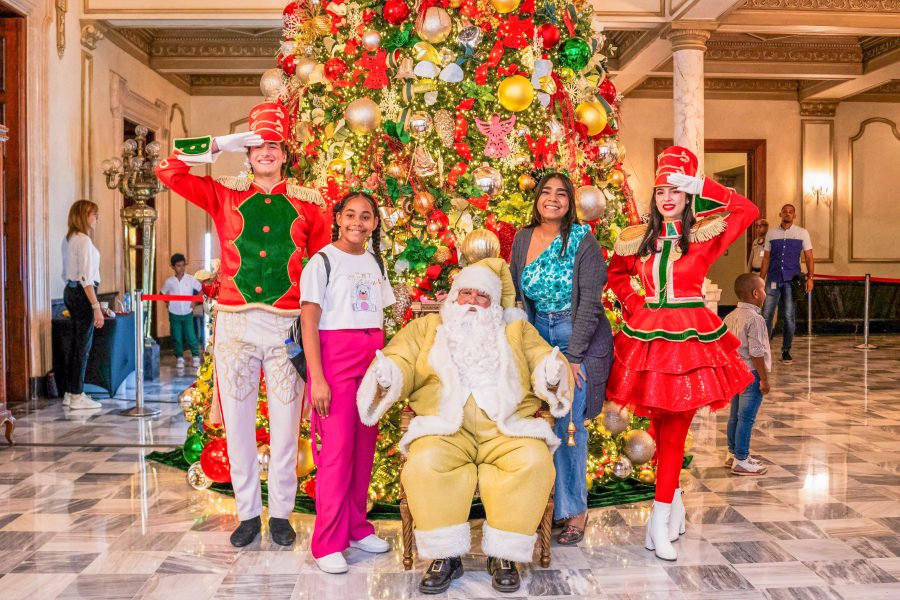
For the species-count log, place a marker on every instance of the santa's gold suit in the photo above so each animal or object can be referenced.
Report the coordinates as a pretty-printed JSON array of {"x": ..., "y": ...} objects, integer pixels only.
[{"x": 453, "y": 444}]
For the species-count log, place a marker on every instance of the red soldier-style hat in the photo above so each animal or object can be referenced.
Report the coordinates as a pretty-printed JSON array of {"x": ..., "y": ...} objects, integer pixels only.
[
  {"x": 675, "y": 159},
  {"x": 270, "y": 120}
]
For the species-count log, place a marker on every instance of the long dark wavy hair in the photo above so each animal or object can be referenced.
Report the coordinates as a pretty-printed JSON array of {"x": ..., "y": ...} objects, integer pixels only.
[
  {"x": 375, "y": 242},
  {"x": 655, "y": 225},
  {"x": 569, "y": 219}
]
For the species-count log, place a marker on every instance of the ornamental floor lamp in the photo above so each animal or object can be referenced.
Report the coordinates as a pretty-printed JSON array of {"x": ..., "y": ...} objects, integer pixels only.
[{"x": 133, "y": 176}]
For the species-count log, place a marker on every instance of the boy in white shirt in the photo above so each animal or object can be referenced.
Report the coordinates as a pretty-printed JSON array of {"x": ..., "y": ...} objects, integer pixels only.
[{"x": 181, "y": 313}]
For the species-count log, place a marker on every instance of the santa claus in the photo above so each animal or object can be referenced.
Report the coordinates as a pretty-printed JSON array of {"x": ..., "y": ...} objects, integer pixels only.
[{"x": 475, "y": 375}]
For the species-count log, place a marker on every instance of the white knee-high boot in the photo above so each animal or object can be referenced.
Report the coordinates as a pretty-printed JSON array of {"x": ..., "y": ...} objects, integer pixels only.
[
  {"x": 658, "y": 532},
  {"x": 676, "y": 519}
]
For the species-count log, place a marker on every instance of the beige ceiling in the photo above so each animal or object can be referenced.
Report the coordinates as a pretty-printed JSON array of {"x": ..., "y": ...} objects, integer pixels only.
[{"x": 803, "y": 50}]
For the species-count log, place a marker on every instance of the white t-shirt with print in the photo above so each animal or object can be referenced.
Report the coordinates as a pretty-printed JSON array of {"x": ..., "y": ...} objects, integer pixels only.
[{"x": 356, "y": 291}]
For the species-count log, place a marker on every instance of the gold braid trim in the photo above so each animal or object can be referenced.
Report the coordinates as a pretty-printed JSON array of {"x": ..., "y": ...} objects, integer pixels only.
[
  {"x": 629, "y": 241},
  {"x": 294, "y": 189}
]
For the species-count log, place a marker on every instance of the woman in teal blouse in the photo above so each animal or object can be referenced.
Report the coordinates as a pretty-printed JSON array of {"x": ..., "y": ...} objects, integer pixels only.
[{"x": 559, "y": 273}]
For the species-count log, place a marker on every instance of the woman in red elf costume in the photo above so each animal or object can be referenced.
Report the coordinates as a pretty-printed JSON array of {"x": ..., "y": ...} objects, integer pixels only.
[{"x": 673, "y": 355}]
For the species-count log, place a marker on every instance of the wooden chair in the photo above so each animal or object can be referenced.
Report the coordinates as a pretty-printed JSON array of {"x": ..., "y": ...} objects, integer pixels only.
[{"x": 406, "y": 520}]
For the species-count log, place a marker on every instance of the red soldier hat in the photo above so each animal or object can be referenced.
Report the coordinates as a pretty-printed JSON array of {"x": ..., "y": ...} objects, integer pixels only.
[
  {"x": 270, "y": 120},
  {"x": 675, "y": 159}
]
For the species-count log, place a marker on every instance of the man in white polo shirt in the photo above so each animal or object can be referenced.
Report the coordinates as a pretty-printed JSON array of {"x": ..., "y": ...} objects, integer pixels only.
[{"x": 784, "y": 246}]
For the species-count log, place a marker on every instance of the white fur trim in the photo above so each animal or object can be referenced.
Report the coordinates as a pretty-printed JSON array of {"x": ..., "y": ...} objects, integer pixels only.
[
  {"x": 513, "y": 314},
  {"x": 453, "y": 398},
  {"x": 560, "y": 399},
  {"x": 516, "y": 547},
  {"x": 479, "y": 278},
  {"x": 444, "y": 542},
  {"x": 369, "y": 414}
]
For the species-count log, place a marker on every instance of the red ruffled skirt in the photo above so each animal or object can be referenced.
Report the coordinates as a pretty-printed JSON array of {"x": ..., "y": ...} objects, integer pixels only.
[{"x": 675, "y": 359}]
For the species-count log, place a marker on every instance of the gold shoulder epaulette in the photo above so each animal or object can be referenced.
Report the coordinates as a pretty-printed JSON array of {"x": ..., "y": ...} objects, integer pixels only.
[
  {"x": 306, "y": 194},
  {"x": 233, "y": 182},
  {"x": 629, "y": 241},
  {"x": 709, "y": 227}
]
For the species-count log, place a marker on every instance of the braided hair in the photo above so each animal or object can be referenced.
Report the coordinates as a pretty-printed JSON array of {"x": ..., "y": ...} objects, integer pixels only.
[{"x": 375, "y": 241}]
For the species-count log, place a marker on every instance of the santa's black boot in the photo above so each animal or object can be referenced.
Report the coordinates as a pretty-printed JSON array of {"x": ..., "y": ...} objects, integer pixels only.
[{"x": 437, "y": 577}]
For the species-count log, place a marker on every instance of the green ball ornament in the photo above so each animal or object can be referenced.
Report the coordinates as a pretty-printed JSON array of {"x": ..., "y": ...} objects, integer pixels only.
[
  {"x": 574, "y": 54},
  {"x": 193, "y": 447}
]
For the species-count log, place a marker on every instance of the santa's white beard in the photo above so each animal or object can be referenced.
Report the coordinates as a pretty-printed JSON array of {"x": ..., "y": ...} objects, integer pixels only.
[{"x": 472, "y": 334}]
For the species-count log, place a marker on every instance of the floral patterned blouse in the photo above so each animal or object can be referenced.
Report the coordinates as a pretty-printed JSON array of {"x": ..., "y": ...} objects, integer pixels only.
[{"x": 547, "y": 280}]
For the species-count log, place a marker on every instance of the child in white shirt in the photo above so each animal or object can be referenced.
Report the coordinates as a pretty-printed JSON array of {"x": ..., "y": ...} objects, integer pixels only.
[{"x": 181, "y": 312}]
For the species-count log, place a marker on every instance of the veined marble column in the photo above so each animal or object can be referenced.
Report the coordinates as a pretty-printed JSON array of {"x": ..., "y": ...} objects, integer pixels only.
[{"x": 688, "y": 49}]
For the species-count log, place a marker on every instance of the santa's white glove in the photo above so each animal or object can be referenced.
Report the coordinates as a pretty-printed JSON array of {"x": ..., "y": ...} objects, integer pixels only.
[
  {"x": 238, "y": 142},
  {"x": 382, "y": 370},
  {"x": 686, "y": 183},
  {"x": 552, "y": 368}
]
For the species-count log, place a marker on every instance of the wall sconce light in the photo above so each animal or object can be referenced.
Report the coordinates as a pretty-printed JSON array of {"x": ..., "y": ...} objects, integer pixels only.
[{"x": 818, "y": 187}]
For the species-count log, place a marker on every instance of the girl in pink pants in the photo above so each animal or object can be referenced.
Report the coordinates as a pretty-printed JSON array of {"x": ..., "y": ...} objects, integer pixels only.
[{"x": 344, "y": 292}]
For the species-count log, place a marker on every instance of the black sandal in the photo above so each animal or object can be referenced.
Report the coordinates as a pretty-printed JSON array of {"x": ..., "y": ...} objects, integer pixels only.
[{"x": 571, "y": 535}]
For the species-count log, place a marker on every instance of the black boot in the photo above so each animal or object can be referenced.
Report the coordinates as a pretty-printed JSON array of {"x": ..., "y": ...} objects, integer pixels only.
[
  {"x": 505, "y": 576},
  {"x": 281, "y": 531},
  {"x": 246, "y": 532},
  {"x": 438, "y": 576}
]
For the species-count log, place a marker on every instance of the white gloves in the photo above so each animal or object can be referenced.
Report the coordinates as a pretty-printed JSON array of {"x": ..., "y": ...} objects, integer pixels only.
[
  {"x": 686, "y": 183},
  {"x": 552, "y": 368},
  {"x": 382, "y": 370},
  {"x": 238, "y": 142}
]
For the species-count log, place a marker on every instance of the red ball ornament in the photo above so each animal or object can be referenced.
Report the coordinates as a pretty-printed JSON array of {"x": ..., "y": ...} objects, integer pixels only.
[
  {"x": 290, "y": 15},
  {"x": 607, "y": 90},
  {"x": 549, "y": 34},
  {"x": 423, "y": 283},
  {"x": 214, "y": 461},
  {"x": 288, "y": 65},
  {"x": 433, "y": 271},
  {"x": 395, "y": 11},
  {"x": 335, "y": 68}
]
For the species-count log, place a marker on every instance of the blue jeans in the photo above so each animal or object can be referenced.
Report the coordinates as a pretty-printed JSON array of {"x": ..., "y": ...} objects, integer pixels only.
[
  {"x": 744, "y": 407},
  {"x": 570, "y": 461},
  {"x": 784, "y": 293}
]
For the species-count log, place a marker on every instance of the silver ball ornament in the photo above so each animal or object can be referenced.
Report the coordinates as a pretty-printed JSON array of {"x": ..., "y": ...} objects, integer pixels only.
[
  {"x": 196, "y": 478},
  {"x": 590, "y": 203},
  {"x": 639, "y": 446},
  {"x": 614, "y": 418},
  {"x": 363, "y": 116},
  {"x": 622, "y": 467},
  {"x": 488, "y": 179},
  {"x": 371, "y": 39},
  {"x": 436, "y": 25}
]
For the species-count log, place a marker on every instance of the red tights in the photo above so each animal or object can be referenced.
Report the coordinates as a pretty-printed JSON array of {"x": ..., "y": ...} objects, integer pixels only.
[{"x": 670, "y": 431}]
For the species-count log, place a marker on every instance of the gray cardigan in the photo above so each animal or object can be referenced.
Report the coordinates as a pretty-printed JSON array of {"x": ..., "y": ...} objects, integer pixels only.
[{"x": 591, "y": 341}]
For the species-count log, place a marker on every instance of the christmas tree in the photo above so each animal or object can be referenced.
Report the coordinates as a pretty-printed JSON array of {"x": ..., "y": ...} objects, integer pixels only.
[{"x": 449, "y": 112}]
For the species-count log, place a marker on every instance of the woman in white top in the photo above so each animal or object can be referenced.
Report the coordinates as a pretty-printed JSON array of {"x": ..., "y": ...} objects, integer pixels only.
[{"x": 81, "y": 274}]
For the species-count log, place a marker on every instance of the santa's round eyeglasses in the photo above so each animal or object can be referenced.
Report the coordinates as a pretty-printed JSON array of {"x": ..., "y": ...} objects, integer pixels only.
[{"x": 468, "y": 296}]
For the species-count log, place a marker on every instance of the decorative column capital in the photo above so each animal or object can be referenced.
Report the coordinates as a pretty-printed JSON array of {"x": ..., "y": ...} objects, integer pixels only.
[
  {"x": 818, "y": 108},
  {"x": 690, "y": 36},
  {"x": 91, "y": 34}
]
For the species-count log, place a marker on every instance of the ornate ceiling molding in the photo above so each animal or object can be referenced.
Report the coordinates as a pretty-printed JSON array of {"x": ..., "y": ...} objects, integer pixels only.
[
  {"x": 874, "y": 47},
  {"x": 728, "y": 50},
  {"x": 721, "y": 88},
  {"x": 224, "y": 85},
  {"x": 206, "y": 45},
  {"x": 818, "y": 108},
  {"x": 862, "y": 6}
]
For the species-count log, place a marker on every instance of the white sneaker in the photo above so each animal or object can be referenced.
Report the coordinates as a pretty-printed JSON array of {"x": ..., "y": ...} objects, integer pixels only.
[
  {"x": 67, "y": 399},
  {"x": 333, "y": 563},
  {"x": 82, "y": 401},
  {"x": 746, "y": 467},
  {"x": 195, "y": 361},
  {"x": 371, "y": 543},
  {"x": 179, "y": 362}
]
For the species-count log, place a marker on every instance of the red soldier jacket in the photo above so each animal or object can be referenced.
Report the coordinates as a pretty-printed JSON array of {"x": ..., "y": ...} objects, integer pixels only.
[
  {"x": 263, "y": 235},
  {"x": 673, "y": 307}
]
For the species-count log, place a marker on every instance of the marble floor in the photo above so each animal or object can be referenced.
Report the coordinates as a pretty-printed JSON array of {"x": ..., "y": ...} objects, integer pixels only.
[{"x": 84, "y": 515}]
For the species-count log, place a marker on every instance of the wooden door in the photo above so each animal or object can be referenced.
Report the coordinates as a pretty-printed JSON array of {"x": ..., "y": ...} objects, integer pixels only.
[{"x": 13, "y": 239}]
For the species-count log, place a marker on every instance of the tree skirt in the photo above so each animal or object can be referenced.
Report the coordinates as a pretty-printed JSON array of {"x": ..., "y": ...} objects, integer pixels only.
[{"x": 624, "y": 491}]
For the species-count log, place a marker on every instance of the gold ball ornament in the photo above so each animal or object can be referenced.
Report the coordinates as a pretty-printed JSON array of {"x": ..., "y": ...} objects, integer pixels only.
[
  {"x": 420, "y": 123},
  {"x": 488, "y": 179},
  {"x": 505, "y": 6},
  {"x": 526, "y": 182},
  {"x": 186, "y": 400},
  {"x": 363, "y": 115},
  {"x": 566, "y": 74},
  {"x": 196, "y": 478},
  {"x": 590, "y": 203},
  {"x": 263, "y": 457},
  {"x": 423, "y": 203},
  {"x": 443, "y": 254},
  {"x": 338, "y": 167},
  {"x": 396, "y": 169},
  {"x": 515, "y": 93},
  {"x": 270, "y": 84},
  {"x": 454, "y": 3},
  {"x": 452, "y": 274},
  {"x": 647, "y": 476},
  {"x": 433, "y": 228},
  {"x": 371, "y": 39},
  {"x": 303, "y": 69},
  {"x": 592, "y": 115},
  {"x": 436, "y": 25},
  {"x": 616, "y": 178},
  {"x": 480, "y": 244},
  {"x": 639, "y": 446},
  {"x": 614, "y": 418},
  {"x": 521, "y": 160},
  {"x": 305, "y": 463}
]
